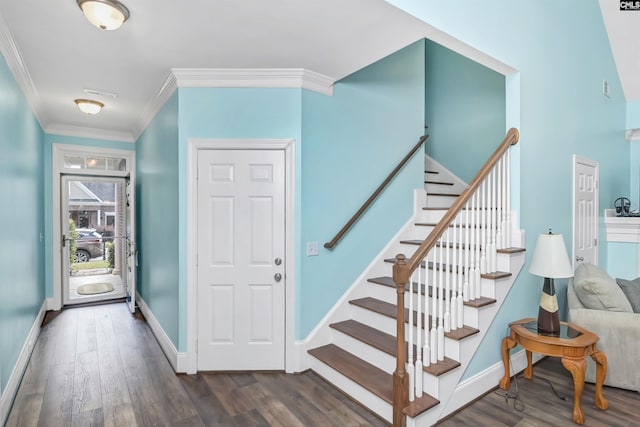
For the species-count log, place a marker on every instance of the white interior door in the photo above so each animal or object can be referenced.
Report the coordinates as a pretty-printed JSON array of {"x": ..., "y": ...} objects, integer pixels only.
[
  {"x": 585, "y": 211},
  {"x": 241, "y": 265}
]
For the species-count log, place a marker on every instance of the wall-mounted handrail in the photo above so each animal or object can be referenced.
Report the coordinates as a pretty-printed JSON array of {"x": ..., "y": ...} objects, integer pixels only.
[{"x": 332, "y": 243}]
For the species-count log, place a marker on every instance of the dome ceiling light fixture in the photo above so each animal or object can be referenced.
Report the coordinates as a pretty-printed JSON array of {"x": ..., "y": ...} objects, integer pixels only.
[
  {"x": 104, "y": 14},
  {"x": 89, "y": 106}
]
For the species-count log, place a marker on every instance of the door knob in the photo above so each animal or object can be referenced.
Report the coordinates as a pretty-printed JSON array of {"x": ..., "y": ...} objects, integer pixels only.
[
  {"x": 278, "y": 277},
  {"x": 278, "y": 261},
  {"x": 579, "y": 258}
]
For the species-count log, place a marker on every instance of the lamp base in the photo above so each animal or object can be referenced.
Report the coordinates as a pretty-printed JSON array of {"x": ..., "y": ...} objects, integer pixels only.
[{"x": 548, "y": 319}]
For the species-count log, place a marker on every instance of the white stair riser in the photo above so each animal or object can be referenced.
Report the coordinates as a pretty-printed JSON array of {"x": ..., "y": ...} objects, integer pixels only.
[
  {"x": 434, "y": 201},
  {"x": 364, "y": 351}
]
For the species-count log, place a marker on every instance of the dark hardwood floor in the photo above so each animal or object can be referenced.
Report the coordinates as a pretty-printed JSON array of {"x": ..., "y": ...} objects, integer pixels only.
[
  {"x": 539, "y": 406},
  {"x": 101, "y": 366}
]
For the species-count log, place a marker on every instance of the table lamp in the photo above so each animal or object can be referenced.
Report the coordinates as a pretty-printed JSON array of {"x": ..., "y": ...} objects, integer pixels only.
[{"x": 550, "y": 260}]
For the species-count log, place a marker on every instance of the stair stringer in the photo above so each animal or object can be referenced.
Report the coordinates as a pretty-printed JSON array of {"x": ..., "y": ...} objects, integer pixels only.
[
  {"x": 323, "y": 334},
  {"x": 448, "y": 387}
]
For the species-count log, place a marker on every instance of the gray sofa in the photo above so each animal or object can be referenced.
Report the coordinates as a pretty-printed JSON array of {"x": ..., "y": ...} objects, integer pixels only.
[{"x": 598, "y": 304}]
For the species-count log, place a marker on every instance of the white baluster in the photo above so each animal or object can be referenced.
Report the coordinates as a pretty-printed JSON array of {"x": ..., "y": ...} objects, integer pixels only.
[
  {"x": 441, "y": 304},
  {"x": 494, "y": 223},
  {"x": 433, "y": 345},
  {"x": 447, "y": 293},
  {"x": 410, "y": 371},
  {"x": 418, "y": 371},
  {"x": 472, "y": 245},
  {"x": 426, "y": 351},
  {"x": 467, "y": 250},
  {"x": 455, "y": 270},
  {"x": 476, "y": 271},
  {"x": 507, "y": 191},
  {"x": 483, "y": 190},
  {"x": 499, "y": 194}
]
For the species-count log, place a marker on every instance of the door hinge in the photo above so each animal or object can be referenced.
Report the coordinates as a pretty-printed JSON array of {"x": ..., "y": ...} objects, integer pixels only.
[
  {"x": 196, "y": 346},
  {"x": 595, "y": 242}
]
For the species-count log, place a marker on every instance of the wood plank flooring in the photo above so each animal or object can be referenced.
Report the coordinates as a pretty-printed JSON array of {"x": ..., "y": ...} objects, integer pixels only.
[
  {"x": 541, "y": 407},
  {"x": 101, "y": 366}
]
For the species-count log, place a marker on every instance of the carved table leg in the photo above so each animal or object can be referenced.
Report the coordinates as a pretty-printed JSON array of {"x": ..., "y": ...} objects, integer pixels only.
[
  {"x": 528, "y": 372},
  {"x": 577, "y": 367},
  {"x": 507, "y": 344},
  {"x": 601, "y": 372}
]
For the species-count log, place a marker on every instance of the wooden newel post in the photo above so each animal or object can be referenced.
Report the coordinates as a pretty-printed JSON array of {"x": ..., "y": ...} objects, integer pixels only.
[{"x": 400, "y": 379}]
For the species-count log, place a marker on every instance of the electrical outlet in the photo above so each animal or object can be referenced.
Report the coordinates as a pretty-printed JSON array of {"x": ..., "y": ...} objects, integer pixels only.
[{"x": 312, "y": 249}]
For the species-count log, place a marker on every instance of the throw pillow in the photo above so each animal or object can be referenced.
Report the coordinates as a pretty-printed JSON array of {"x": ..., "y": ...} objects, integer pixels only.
[
  {"x": 597, "y": 290},
  {"x": 631, "y": 289}
]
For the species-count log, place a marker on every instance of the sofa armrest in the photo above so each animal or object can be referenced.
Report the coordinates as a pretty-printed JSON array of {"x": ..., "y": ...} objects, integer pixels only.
[{"x": 602, "y": 323}]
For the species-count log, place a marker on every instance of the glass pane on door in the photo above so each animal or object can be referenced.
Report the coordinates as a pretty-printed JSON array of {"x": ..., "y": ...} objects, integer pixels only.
[{"x": 94, "y": 263}]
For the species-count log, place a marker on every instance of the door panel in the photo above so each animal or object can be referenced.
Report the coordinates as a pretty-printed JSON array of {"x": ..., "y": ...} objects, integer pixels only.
[
  {"x": 241, "y": 289},
  {"x": 585, "y": 211}
]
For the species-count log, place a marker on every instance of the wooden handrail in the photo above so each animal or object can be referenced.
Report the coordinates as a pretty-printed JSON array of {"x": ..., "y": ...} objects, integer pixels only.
[
  {"x": 407, "y": 269},
  {"x": 403, "y": 268},
  {"x": 331, "y": 244}
]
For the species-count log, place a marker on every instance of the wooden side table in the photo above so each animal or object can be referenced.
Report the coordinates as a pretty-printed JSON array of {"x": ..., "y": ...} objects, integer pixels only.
[{"x": 573, "y": 345}]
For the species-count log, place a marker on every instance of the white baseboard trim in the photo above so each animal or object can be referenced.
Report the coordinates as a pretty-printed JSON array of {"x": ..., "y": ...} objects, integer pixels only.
[
  {"x": 10, "y": 391},
  {"x": 479, "y": 384},
  {"x": 176, "y": 359}
]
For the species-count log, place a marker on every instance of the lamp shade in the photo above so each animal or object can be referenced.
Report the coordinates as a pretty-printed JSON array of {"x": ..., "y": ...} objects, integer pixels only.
[
  {"x": 550, "y": 257},
  {"x": 104, "y": 14}
]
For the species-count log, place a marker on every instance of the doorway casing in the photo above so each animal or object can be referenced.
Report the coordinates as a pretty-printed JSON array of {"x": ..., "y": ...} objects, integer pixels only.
[
  {"x": 58, "y": 169},
  {"x": 195, "y": 145}
]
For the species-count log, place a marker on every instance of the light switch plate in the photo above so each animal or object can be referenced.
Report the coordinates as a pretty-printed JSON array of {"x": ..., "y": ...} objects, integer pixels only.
[{"x": 312, "y": 249}]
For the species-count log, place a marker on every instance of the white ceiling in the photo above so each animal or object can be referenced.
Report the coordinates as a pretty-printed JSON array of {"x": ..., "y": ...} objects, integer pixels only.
[{"x": 56, "y": 53}]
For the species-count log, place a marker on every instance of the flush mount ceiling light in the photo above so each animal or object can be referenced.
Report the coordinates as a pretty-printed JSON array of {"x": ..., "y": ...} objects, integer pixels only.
[
  {"x": 89, "y": 106},
  {"x": 104, "y": 14}
]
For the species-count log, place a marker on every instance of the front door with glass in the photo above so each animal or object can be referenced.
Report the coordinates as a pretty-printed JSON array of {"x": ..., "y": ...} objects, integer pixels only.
[{"x": 96, "y": 238}]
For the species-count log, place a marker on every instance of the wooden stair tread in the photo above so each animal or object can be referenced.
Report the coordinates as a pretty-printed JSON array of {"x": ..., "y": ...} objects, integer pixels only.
[
  {"x": 418, "y": 242},
  {"x": 389, "y": 310},
  {"x": 363, "y": 373},
  {"x": 420, "y": 405},
  {"x": 388, "y": 281},
  {"x": 387, "y": 343},
  {"x": 432, "y": 172},
  {"x": 438, "y": 182},
  {"x": 430, "y": 265},
  {"x": 443, "y": 194}
]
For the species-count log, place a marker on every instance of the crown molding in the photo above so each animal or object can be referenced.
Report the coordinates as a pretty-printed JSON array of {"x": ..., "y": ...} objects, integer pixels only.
[
  {"x": 166, "y": 90},
  {"x": 254, "y": 77},
  {"x": 16, "y": 64},
  {"x": 632, "y": 134},
  {"x": 87, "y": 132}
]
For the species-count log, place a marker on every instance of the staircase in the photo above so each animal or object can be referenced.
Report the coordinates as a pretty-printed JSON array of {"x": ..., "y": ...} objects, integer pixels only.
[{"x": 356, "y": 346}]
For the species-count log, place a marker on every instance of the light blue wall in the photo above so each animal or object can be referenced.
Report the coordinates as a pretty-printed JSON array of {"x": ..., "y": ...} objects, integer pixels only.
[
  {"x": 465, "y": 110},
  {"x": 157, "y": 216},
  {"x": 230, "y": 113},
  {"x": 622, "y": 260},
  {"x": 562, "y": 112},
  {"x": 351, "y": 142},
  {"x": 633, "y": 114},
  {"x": 21, "y": 221},
  {"x": 49, "y": 140}
]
